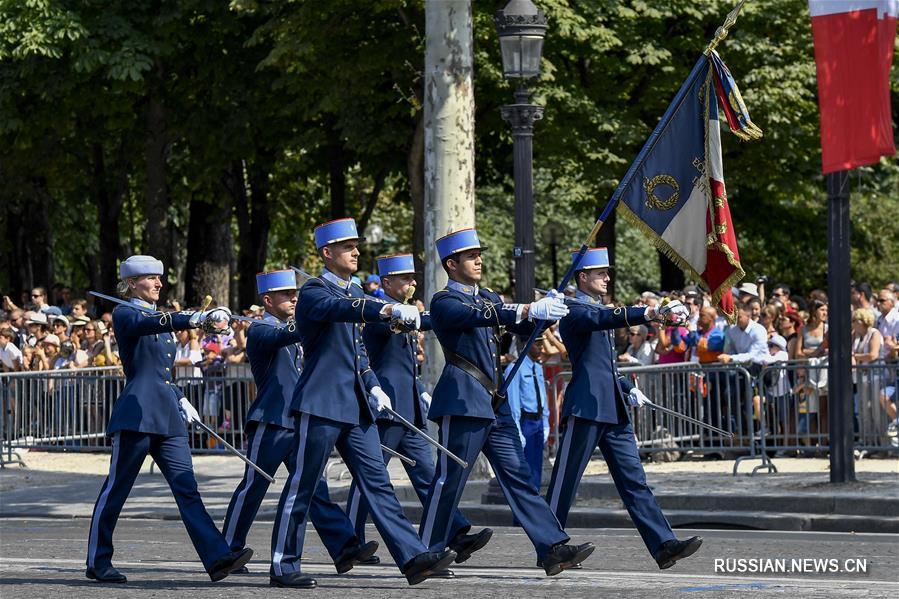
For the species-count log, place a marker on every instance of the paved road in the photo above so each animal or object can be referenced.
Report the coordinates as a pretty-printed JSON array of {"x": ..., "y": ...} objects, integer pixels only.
[{"x": 45, "y": 558}]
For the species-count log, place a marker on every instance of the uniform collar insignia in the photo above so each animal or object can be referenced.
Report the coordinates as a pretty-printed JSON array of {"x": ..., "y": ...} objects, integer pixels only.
[
  {"x": 139, "y": 302},
  {"x": 461, "y": 287},
  {"x": 586, "y": 297},
  {"x": 330, "y": 276}
]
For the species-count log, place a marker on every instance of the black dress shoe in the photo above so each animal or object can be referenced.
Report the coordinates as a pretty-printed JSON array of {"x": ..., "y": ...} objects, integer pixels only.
[
  {"x": 230, "y": 562},
  {"x": 464, "y": 545},
  {"x": 564, "y": 557},
  {"x": 372, "y": 561},
  {"x": 294, "y": 580},
  {"x": 427, "y": 564},
  {"x": 241, "y": 570},
  {"x": 444, "y": 574},
  {"x": 356, "y": 554},
  {"x": 107, "y": 574},
  {"x": 674, "y": 550}
]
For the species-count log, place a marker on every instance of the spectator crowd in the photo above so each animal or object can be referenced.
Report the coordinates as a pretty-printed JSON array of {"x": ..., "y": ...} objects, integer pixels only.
[{"x": 62, "y": 332}]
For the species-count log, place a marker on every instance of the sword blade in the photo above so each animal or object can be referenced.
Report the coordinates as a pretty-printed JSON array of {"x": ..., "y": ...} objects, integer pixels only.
[
  {"x": 122, "y": 302},
  {"x": 234, "y": 451},
  {"x": 398, "y": 455},
  {"x": 671, "y": 412},
  {"x": 428, "y": 438}
]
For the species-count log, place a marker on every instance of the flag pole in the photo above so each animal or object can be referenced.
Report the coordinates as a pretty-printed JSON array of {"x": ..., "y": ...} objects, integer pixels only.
[{"x": 720, "y": 34}]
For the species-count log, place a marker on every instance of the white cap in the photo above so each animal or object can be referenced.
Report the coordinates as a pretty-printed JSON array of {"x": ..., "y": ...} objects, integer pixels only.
[
  {"x": 750, "y": 288},
  {"x": 778, "y": 340},
  {"x": 136, "y": 266},
  {"x": 37, "y": 318},
  {"x": 51, "y": 338}
]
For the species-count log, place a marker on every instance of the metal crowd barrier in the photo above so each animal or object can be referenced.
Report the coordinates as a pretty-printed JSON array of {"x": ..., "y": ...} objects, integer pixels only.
[
  {"x": 779, "y": 409},
  {"x": 69, "y": 409},
  {"x": 796, "y": 404}
]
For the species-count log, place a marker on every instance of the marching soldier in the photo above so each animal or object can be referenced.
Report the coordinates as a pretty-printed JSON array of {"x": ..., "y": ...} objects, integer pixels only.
[
  {"x": 595, "y": 410},
  {"x": 331, "y": 406},
  {"x": 392, "y": 357},
  {"x": 274, "y": 358},
  {"x": 472, "y": 417},
  {"x": 149, "y": 417}
]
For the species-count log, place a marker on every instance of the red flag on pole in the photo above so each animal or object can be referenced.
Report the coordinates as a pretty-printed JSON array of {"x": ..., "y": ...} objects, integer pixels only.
[{"x": 853, "y": 52}]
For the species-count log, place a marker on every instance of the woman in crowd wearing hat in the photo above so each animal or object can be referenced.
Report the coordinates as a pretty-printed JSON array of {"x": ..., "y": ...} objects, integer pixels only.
[
  {"x": 595, "y": 412},
  {"x": 275, "y": 360},
  {"x": 149, "y": 418},
  {"x": 393, "y": 359},
  {"x": 472, "y": 417},
  {"x": 331, "y": 407}
]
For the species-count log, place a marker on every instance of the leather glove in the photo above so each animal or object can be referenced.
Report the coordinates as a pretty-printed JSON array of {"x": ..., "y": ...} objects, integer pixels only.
[
  {"x": 637, "y": 398},
  {"x": 548, "y": 308},
  {"x": 383, "y": 401},
  {"x": 425, "y": 400},
  {"x": 188, "y": 412},
  {"x": 407, "y": 314},
  {"x": 674, "y": 311}
]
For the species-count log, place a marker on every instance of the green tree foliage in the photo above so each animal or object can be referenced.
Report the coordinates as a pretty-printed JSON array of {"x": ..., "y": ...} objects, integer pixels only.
[{"x": 283, "y": 114}]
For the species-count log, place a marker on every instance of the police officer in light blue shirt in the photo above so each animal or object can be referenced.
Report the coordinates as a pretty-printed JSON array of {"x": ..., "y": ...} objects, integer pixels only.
[
  {"x": 393, "y": 359},
  {"x": 331, "y": 406},
  {"x": 472, "y": 418},
  {"x": 595, "y": 409},
  {"x": 527, "y": 403},
  {"x": 149, "y": 418},
  {"x": 274, "y": 356}
]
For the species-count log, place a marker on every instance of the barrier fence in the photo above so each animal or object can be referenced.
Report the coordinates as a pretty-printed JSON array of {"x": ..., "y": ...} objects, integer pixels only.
[{"x": 780, "y": 408}]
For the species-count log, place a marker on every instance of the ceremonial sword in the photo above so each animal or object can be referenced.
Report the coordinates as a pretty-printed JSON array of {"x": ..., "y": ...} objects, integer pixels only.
[
  {"x": 684, "y": 417},
  {"x": 427, "y": 437}
]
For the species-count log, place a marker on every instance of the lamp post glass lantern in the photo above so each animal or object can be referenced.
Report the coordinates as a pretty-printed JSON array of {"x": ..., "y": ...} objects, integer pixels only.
[{"x": 521, "y": 27}]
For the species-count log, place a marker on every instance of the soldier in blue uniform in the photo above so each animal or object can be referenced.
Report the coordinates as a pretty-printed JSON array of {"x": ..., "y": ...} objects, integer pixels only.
[
  {"x": 595, "y": 410},
  {"x": 471, "y": 417},
  {"x": 392, "y": 357},
  {"x": 331, "y": 406},
  {"x": 275, "y": 357},
  {"x": 149, "y": 417}
]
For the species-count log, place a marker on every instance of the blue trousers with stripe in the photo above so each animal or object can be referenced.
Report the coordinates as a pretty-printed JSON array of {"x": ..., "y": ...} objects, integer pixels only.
[
  {"x": 499, "y": 440},
  {"x": 360, "y": 448},
  {"x": 172, "y": 455},
  {"x": 399, "y": 438},
  {"x": 619, "y": 449},
  {"x": 532, "y": 431},
  {"x": 270, "y": 446}
]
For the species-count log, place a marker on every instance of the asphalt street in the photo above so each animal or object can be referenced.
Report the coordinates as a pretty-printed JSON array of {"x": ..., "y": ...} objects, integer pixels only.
[{"x": 45, "y": 558}]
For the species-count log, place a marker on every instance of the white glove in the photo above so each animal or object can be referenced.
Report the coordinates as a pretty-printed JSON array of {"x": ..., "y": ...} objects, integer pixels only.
[
  {"x": 548, "y": 308},
  {"x": 381, "y": 398},
  {"x": 555, "y": 293},
  {"x": 188, "y": 412},
  {"x": 674, "y": 311},
  {"x": 408, "y": 314},
  {"x": 218, "y": 315},
  {"x": 637, "y": 398},
  {"x": 426, "y": 400}
]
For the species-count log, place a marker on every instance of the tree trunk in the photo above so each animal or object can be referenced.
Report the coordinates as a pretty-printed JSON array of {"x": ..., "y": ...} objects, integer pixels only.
[
  {"x": 208, "y": 250},
  {"x": 39, "y": 238},
  {"x": 248, "y": 185},
  {"x": 449, "y": 139},
  {"x": 337, "y": 176},
  {"x": 672, "y": 275},
  {"x": 157, "y": 236},
  {"x": 109, "y": 199},
  {"x": 370, "y": 202},
  {"x": 415, "y": 171}
]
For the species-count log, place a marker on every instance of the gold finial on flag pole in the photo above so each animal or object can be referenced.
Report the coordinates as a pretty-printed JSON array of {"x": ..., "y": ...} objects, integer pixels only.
[{"x": 721, "y": 32}]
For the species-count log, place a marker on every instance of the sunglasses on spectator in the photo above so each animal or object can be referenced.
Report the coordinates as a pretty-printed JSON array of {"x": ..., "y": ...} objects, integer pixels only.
[{"x": 37, "y": 295}]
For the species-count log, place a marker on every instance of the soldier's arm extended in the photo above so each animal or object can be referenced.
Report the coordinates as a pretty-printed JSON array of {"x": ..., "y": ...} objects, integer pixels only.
[
  {"x": 596, "y": 318},
  {"x": 318, "y": 304},
  {"x": 129, "y": 322}
]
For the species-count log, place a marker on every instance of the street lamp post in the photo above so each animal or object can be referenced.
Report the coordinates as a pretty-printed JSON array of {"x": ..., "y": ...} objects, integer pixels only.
[
  {"x": 551, "y": 235},
  {"x": 521, "y": 27}
]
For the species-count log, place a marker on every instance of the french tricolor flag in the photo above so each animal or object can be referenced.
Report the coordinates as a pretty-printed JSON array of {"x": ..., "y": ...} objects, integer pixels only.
[
  {"x": 854, "y": 52},
  {"x": 674, "y": 190}
]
